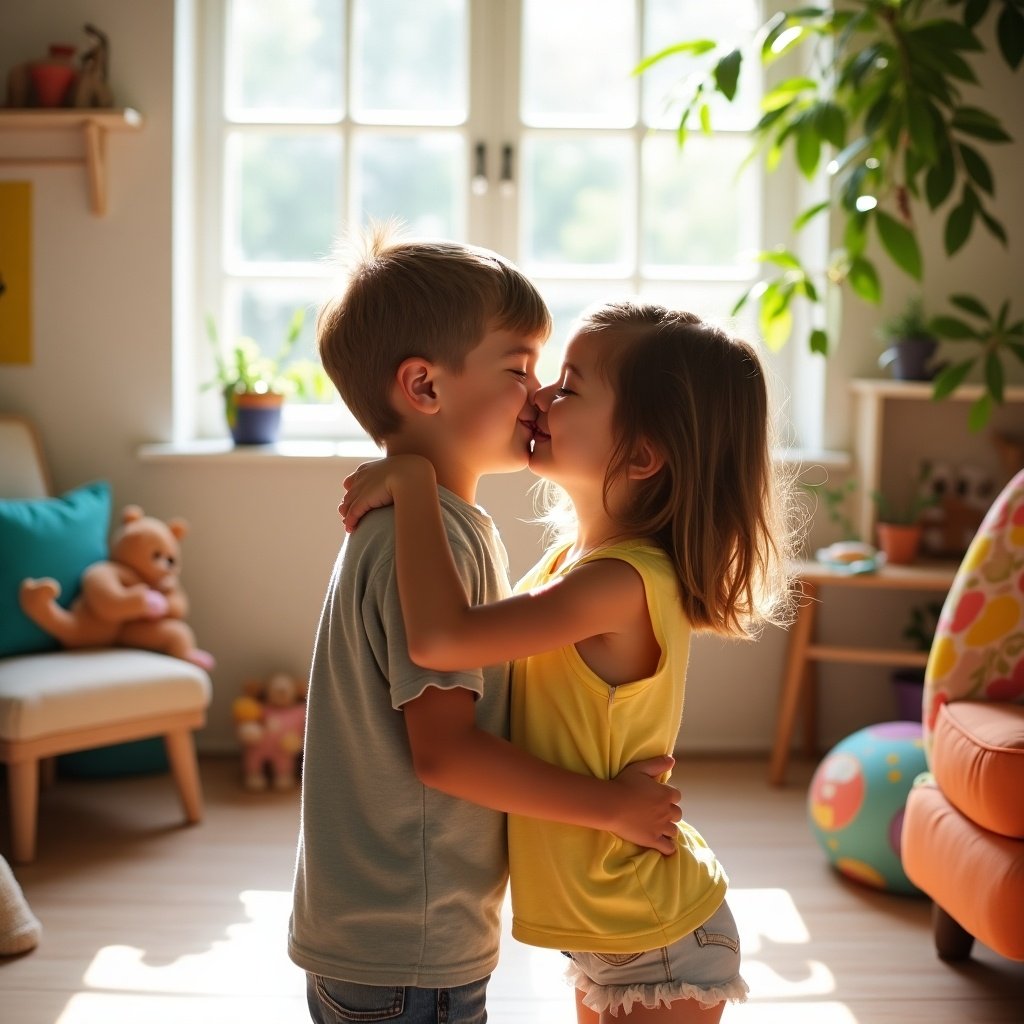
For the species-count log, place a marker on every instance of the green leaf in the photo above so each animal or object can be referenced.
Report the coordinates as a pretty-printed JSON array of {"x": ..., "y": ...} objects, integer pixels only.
[
  {"x": 864, "y": 280},
  {"x": 727, "y": 72},
  {"x": 781, "y": 257},
  {"x": 856, "y": 233},
  {"x": 774, "y": 318},
  {"x": 944, "y": 34},
  {"x": 980, "y": 123},
  {"x": 1010, "y": 32},
  {"x": 959, "y": 224},
  {"x": 980, "y": 412},
  {"x": 808, "y": 148},
  {"x": 1017, "y": 349},
  {"x": 969, "y": 304},
  {"x": 950, "y": 378},
  {"x": 953, "y": 328},
  {"x": 705, "y": 119},
  {"x": 899, "y": 243},
  {"x": 819, "y": 341},
  {"x": 694, "y": 47},
  {"x": 974, "y": 11},
  {"x": 994, "y": 376},
  {"x": 977, "y": 167},
  {"x": 993, "y": 226},
  {"x": 938, "y": 182},
  {"x": 787, "y": 91},
  {"x": 830, "y": 122},
  {"x": 810, "y": 213}
]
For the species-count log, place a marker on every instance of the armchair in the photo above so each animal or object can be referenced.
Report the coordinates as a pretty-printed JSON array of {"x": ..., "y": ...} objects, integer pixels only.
[
  {"x": 55, "y": 702},
  {"x": 963, "y": 831}
]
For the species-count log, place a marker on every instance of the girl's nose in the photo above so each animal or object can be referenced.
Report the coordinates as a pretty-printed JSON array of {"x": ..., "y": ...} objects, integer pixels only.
[{"x": 542, "y": 396}]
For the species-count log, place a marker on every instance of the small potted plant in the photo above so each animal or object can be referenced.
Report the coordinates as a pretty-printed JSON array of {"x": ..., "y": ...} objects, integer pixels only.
[
  {"x": 911, "y": 342},
  {"x": 255, "y": 385},
  {"x": 899, "y": 527}
]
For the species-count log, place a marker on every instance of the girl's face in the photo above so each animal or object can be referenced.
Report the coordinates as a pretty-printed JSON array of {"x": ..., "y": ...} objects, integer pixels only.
[{"x": 573, "y": 439}]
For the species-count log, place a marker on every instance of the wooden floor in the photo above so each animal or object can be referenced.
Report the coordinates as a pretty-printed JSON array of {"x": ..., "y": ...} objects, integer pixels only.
[{"x": 146, "y": 921}]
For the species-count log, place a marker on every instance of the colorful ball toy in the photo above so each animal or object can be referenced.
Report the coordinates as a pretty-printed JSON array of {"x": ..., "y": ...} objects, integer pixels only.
[{"x": 856, "y": 800}]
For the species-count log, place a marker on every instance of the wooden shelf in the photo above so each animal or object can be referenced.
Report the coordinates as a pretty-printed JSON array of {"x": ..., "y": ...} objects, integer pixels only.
[{"x": 93, "y": 124}]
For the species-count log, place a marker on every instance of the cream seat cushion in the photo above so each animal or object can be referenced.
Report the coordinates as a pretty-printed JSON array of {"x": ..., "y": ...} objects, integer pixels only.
[{"x": 44, "y": 694}]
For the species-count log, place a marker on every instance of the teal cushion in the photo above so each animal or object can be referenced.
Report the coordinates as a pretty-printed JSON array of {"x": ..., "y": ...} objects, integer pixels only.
[{"x": 57, "y": 537}]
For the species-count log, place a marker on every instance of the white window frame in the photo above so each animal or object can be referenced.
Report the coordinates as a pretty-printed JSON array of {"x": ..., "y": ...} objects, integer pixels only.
[{"x": 492, "y": 120}]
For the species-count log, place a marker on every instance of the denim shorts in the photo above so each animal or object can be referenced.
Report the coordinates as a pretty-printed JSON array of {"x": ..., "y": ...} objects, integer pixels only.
[
  {"x": 703, "y": 965},
  {"x": 332, "y": 1002}
]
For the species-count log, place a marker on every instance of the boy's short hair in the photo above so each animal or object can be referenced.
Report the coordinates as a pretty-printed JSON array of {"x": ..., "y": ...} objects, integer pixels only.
[{"x": 404, "y": 298}]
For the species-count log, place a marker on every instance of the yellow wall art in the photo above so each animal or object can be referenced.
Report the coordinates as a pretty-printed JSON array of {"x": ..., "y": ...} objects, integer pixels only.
[{"x": 16, "y": 272}]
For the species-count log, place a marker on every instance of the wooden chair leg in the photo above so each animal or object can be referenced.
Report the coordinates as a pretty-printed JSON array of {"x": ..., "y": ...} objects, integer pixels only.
[
  {"x": 23, "y": 790},
  {"x": 952, "y": 941},
  {"x": 181, "y": 752},
  {"x": 793, "y": 681}
]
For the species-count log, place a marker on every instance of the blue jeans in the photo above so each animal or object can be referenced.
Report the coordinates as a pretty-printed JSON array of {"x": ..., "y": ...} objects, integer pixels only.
[{"x": 333, "y": 1002}]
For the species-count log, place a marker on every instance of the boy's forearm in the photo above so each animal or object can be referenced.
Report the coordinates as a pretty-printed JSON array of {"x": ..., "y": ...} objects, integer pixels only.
[{"x": 490, "y": 771}]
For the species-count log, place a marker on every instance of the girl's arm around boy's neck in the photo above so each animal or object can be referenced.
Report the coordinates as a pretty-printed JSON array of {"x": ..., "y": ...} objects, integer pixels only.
[{"x": 444, "y": 631}]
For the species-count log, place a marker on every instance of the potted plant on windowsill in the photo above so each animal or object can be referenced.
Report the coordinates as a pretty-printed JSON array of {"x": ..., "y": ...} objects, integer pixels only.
[
  {"x": 255, "y": 385},
  {"x": 911, "y": 343}
]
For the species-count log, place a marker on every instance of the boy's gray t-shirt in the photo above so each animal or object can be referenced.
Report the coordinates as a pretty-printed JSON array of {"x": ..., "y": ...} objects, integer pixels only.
[{"x": 395, "y": 883}]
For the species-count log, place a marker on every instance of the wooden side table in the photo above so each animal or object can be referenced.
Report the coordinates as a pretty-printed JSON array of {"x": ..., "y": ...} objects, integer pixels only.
[{"x": 798, "y": 678}]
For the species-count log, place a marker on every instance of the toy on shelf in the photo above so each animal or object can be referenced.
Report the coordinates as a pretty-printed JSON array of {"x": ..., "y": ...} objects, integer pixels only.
[
  {"x": 271, "y": 722},
  {"x": 962, "y": 495},
  {"x": 133, "y": 599},
  {"x": 55, "y": 81}
]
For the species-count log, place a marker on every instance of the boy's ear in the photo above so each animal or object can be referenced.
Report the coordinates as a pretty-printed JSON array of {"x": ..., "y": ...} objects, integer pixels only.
[
  {"x": 645, "y": 462},
  {"x": 414, "y": 386}
]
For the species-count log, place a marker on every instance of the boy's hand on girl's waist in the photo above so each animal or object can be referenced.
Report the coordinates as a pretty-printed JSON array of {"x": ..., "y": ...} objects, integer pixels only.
[{"x": 650, "y": 809}]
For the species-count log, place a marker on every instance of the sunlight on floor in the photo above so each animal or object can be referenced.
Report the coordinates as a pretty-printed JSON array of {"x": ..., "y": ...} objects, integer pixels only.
[{"x": 247, "y": 974}]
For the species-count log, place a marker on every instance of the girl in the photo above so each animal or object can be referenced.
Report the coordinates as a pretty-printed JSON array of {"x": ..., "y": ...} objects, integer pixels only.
[{"x": 658, "y": 435}]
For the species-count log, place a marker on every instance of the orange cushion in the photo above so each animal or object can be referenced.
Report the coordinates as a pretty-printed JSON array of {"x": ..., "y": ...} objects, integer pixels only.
[
  {"x": 976, "y": 876},
  {"x": 977, "y": 759}
]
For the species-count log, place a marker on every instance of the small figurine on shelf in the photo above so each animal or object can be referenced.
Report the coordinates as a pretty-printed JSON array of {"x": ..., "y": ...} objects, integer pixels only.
[
  {"x": 55, "y": 81},
  {"x": 271, "y": 721}
]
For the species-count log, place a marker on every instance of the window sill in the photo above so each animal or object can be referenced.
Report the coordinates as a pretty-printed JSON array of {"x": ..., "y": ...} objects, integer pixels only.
[{"x": 224, "y": 450}]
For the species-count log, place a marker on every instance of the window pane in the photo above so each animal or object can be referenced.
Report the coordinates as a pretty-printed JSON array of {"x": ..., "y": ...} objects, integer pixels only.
[
  {"x": 409, "y": 61},
  {"x": 263, "y": 311},
  {"x": 420, "y": 179},
  {"x": 285, "y": 59},
  {"x": 285, "y": 196},
  {"x": 576, "y": 202},
  {"x": 733, "y": 22},
  {"x": 576, "y": 63},
  {"x": 698, "y": 211}
]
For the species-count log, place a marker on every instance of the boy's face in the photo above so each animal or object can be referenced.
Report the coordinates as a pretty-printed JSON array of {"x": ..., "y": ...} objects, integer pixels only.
[{"x": 487, "y": 405}]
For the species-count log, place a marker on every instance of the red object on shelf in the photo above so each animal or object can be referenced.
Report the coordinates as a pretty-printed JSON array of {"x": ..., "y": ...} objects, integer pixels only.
[{"x": 53, "y": 76}]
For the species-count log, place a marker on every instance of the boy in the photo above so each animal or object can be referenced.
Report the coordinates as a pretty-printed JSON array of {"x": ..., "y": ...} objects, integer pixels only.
[{"x": 402, "y": 860}]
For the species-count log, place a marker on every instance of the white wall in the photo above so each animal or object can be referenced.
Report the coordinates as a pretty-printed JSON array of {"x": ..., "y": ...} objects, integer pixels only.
[{"x": 265, "y": 531}]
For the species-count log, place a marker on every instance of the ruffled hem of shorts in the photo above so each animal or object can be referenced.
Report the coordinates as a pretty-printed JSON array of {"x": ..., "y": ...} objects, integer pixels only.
[{"x": 613, "y": 997}]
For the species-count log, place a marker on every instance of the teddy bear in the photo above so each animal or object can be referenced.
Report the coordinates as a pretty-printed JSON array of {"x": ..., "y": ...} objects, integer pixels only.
[
  {"x": 132, "y": 599},
  {"x": 271, "y": 722}
]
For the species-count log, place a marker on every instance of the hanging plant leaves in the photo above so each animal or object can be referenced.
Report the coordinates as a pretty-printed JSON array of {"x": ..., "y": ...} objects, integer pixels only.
[
  {"x": 1010, "y": 32},
  {"x": 969, "y": 304},
  {"x": 994, "y": 376},
  {"x": 977, "y": 167},
  {"x": 981, "y": 411},
  {"x": 959, "y": 224},
  {"x": 949, "y": 379},
  {"x": 993, "y": 226},
  {"x": 819, "y": 341},
  {"x": 727, "y": 73},
  {"x": 864, "y": 280},
  {"x": 980, "y": 123},
  {"x": 899, "y": 243}
]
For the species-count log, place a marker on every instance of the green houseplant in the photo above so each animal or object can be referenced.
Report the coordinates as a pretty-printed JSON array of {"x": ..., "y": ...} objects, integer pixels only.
[
  {"x": 255, "y": 385},
  {"x": 876, "y": 108},
  {"x": 911, "y": 343}
]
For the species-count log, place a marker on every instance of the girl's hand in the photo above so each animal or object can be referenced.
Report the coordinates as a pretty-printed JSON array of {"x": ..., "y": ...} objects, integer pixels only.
[
  {"x": 376, "y": 484},
  {"x": 651, "y": 808}
]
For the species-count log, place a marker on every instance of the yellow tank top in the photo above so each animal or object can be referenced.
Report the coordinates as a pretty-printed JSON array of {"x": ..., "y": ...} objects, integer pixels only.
[{"x": 580, "y": 889}]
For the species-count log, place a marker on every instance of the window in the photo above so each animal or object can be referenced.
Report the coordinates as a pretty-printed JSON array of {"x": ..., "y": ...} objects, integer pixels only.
[{"x": 514, "y": 124}]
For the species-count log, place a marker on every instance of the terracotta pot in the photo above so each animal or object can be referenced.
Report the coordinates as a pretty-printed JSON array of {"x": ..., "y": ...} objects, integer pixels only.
[
  {"x": 254, "y": 418},
  {"x": 899, "y": 541}
]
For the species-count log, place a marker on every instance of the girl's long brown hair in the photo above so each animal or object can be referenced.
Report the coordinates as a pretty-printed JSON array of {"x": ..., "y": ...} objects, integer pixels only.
[{"x": 720, "y": 507}]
